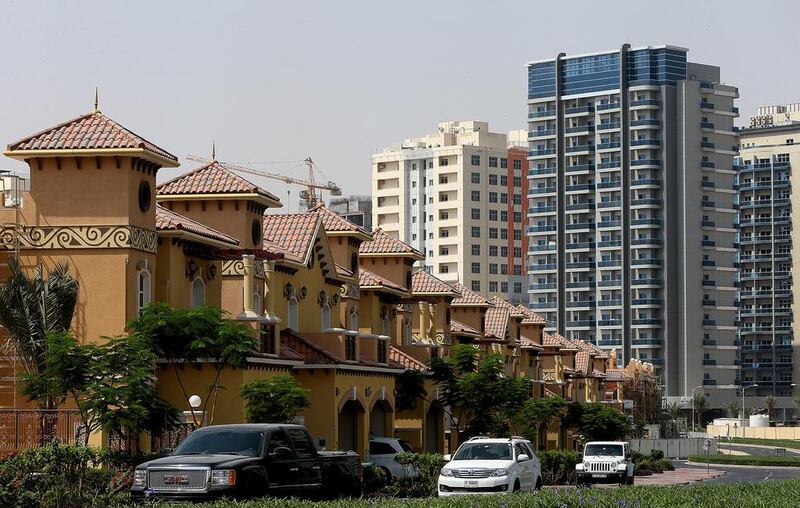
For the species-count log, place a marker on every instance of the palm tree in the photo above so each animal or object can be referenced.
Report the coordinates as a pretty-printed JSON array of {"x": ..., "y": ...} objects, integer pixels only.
[
  {"x": 33, "y": 307},
  {"x": 674, "y": 411},
  {"x": 699, "y": 403},
  {"x": 732, "y": 409},
  {"x": 769, "y": 405}
]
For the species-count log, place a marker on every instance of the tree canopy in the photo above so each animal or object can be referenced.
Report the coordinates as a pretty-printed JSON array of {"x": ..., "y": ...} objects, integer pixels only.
[{"x": 275, "y": 399}]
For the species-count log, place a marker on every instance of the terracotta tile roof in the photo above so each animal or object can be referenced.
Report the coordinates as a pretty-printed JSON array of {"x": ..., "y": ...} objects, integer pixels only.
[
  {"x": 167, "y": 220},
  {"x": 497, "y": 322},
  {"x": 528, "y": 343},
  {"x": 582, "y": 362},
  {"x": 405, "y": 360},
  {"x": 597, "y": 373},
  {"x": 213, "y": 178},
  {"x": 531, "y": 318},
  {"x": 383, "y": 243},
  {"x": 333, "y": 222},
  {"x": 288, "y": 353},
  {"x": 460, "y": 328},
  {"x": 469, "y": 298},
  {"x": 554, "y": 339},
  {"x": 588, "y": 346},
  {"x": 616, "y": 375},
  {"x": 307, "y": 350},
  {"x": 370, "y": 279},
  {"x": 342, "y": 271},
  {"x": 92, "y": 131},
  {"x": 293, "y": 234},
  {"x": 424, "y": 283}
]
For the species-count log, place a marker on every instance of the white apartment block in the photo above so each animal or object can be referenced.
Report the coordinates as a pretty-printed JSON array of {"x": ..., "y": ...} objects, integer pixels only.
[{"x": 457, "y": 196}]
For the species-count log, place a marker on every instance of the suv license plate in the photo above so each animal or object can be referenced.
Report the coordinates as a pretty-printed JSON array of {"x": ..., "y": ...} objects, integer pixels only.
[
  {"x": 470, "y": 484},
  {"x": 598, "y": 476}
]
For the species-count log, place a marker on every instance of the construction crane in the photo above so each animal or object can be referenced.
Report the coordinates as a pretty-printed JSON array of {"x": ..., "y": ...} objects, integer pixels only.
[{"x": 309, "y": 194}]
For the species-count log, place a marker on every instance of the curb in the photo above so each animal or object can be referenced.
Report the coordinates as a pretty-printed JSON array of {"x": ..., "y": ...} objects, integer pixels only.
[{"x": 743, "y": 466}]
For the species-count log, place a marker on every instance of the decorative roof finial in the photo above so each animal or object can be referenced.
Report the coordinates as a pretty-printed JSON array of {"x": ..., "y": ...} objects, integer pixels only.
[
  {"x": 213, "y": 151},
  {"x": 96, "y": 101}
]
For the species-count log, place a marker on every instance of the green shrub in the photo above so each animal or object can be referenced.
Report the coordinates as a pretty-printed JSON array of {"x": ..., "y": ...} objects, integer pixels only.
[
  {"x": 61, "y": 476},
  {"x": 748, "y": 460},
  {"x": 425, "y": 483},
  {"x": 666, "y": 465},
  {"x": 374, "y": 479},
  {"x": 774, "y": 494},
  {"x": 656, "y": 454},
  {"x": 637, "y": 457},
  {"x": 558, "y": 467}
]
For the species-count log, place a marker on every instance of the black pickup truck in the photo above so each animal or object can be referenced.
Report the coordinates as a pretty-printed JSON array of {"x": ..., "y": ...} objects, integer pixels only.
[{"x": 247, "y": 461}]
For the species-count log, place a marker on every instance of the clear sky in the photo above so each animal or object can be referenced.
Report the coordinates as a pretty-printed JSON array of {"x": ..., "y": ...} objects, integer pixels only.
[{"x": 338, "y": 80}]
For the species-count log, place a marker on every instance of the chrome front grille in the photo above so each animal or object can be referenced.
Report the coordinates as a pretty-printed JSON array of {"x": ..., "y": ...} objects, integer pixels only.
[
  {"x": 472, "y": 473},
  {"x": 600, "y": 467},
  {"x": 180, "y": 479}
]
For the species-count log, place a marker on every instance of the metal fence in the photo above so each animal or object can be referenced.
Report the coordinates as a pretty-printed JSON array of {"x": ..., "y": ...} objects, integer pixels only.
[{"x": 31, "y": 428}]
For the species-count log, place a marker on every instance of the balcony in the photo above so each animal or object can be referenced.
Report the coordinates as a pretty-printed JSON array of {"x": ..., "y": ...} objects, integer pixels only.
[
  {"x": 709, "y": 243},
  {"x": 609, "y": 303},
  {"x": 609, "y": 165},
  {"x": 542, "y": 267},
  {"x": 709, "y": 262},
  {"x": 708, "y": 224},
  {"x": 646, "y": 222},
  {"x": 588, "y": 284},
  {"x": 541, "y": 229},
  {"x": 707, "y": 144},
  {"x": 646, "y": 261},
  {"x": 610, "y": 322},
  {"x": 551, "y": 170},
  {"x": 541, "y": 133},
  {"x": 610, "y": 283},
  {"x": 579, "y": 148},
  {"x": 579, "y": 129},
  {"x": 646, "y": 162},
  {"x": 580, "y": 225},
  {"x": 645, "y": 102},
  {"x": 609, "y": 342},
  {"x": 610, "y": 243},
  {"x": 642, "y": 182},
  {"x": 707, "y": 105},
  {"x": 709, "y": 362},
  {"x": 542, "y": 114},
  {"x": 707, "y": 164},
  {"x": 708, "y": 204},
  {"x": 613, "y": 184},
  {"x": 607, "y": 126},
  {"x": 706, "y": 125},
  {"x": 544, "y": 285},
  {"x": 647, "y": 301},
  {"x": 645, "y": 201},
  {"x": 544, "y": 305},
  {"x": 580, "y": 323},
  {"x": 541, "y": 209},
  {"x": 609, "y": 145},
  {"x": 647, "y": 282},
  {"x": 580, "y": 187},
  {"x": 581, "y": 245},
  {"x": 709, "y": 322},
  {"x": 645, "y": 122},
  {"x": 707, "y": 302},
  {"x": 645, "y": 142},
  {"x": 581, "y": 206},
  {"x": 609, "y": 204},
  {"x": 647, "y": 241},
  {"x": 607, "y": 106},
  {"x": 709, "y": 382},
  {"x": 539, "y": 248},
  {"x": 580, "y": 303},
  {"x": 541, "y": 190},
  {"x": 542, "y": 151},
  {"x": 580, "y": 167},
  {"x": 579, "y": 110},
  {"x": 708, "y": 185},
  {"x": 646, "y": 321},
  {"x": 609, "y": 224},
  {"x": 647, "y": 342}
]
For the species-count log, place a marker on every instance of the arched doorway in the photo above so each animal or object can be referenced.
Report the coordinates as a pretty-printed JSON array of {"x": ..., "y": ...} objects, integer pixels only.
[
  {"x": 348, "y": 425},
  {"x": 379, "y": 419},
  {"x": 434, "y": 431}
]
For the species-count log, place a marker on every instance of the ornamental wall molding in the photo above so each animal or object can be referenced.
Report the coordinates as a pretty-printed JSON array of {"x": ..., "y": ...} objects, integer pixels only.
[
  {"x": 235, "y": 268},
  {"x": 80, "y": 237}
]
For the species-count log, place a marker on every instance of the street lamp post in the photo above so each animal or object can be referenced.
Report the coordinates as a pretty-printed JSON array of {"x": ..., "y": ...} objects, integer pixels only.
[
  {"x": 743, "y": 389},
  {"x": 693, "y": 404}
]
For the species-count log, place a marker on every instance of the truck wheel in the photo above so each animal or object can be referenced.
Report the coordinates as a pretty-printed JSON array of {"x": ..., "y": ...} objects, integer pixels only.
[
  {"x": 516, "y": 486},
  {"x": 538, "y": 484},
  {"x": 387, "y": 475}
]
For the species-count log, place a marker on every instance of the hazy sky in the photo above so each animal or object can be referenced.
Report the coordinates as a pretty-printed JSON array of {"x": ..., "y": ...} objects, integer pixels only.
[{"x": 276, "y": 81}]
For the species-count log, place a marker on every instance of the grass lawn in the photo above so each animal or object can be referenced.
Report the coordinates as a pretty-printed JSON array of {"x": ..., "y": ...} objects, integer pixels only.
[
  {"x": 777, "y": 443},
  {"x": 776, "y": 494},
  {"x": 748, "y": 460}
]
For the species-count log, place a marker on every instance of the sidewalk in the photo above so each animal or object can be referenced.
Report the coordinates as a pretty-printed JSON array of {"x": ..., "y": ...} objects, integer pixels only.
[{"x": 680, "y": 476}]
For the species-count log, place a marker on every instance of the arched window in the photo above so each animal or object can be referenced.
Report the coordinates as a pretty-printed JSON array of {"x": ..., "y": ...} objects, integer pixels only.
[
  {"x": 257, "y": 301},
  {"x": 142, "y": 290},
  {"x": 293, "y": 313},
  {"x": 354, "y": 263},
  {"x": 407, "y": 334},
  {"x": 198, "y": 292},
  {"x": 326, "y": 316},
  {"x": 353, "y": 319}
]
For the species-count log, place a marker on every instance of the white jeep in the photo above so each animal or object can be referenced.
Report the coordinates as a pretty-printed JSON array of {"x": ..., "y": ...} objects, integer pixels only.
[{"x": 605, "y": 462}]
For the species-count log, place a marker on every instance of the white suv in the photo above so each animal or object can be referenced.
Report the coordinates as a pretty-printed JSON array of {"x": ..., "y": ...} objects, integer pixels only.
[
  {"x": 605, "y": 462},
  {"x": 490, "y": 465}
]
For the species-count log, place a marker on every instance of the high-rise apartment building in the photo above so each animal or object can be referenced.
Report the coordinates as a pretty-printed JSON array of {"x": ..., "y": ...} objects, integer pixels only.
[
  {"x": 769, "y": 150},
  {"x": 631, "y": 209},
  {"x": 457, "y": 196}
]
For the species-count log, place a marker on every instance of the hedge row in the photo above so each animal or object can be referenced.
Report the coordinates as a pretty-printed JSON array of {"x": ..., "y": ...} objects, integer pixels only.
[
  {"x": 776, "y": 494},
  {"x": 747, "y": 460},
  {"x": 777, "y": 443}
]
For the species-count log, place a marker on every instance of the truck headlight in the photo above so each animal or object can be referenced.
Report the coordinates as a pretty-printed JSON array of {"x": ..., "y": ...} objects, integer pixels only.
[
  {"x": 140, "y": 478},
  {"x": 223, "y": 477},
  {"x": 447, "y": 472},
  {"x": 580, "y": 466},
  {"x": 500, "y": 472}
]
